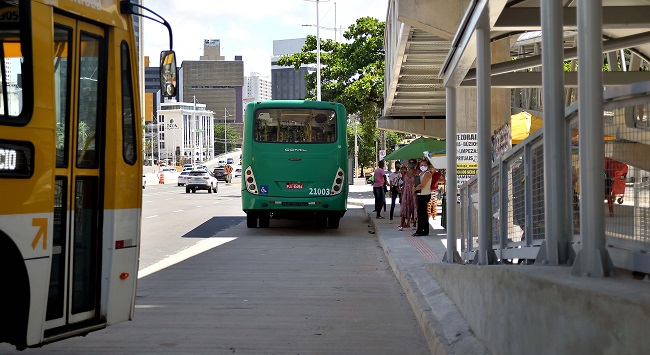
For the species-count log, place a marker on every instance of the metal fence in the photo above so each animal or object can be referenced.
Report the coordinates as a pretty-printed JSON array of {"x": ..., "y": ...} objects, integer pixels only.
[{"x": 517, "y": 199}]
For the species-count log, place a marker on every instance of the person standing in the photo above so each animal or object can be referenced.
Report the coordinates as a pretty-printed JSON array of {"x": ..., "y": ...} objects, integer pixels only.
[
  {"x": 408, "y": 205},
  {"x": 436, "y": 178},
  {"x": 395, "y": 180},
  {"x": 378, "y": 186},
  {"x": 423, "y": 192}
]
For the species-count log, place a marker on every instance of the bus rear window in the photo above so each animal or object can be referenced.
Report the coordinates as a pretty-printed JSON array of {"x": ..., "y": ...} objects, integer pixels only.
[{"x": 295, "y": 125}]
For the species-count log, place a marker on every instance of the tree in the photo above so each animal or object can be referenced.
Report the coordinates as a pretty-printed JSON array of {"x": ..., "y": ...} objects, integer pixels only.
[
  {"x": 232, "y": 137},
  {"x": 352, "y": 73}
]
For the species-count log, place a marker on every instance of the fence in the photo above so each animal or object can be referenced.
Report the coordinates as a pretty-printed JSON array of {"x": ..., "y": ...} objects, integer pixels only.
[{"x": 517, "y": 198}]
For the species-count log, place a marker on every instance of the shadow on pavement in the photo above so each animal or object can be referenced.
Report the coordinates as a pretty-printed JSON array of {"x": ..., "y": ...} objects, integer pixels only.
[{"x": 213, "y": 226}]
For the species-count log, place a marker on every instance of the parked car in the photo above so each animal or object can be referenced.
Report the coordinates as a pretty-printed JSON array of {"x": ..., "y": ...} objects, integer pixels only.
[
  {"x": 182, "y": 178},
  {"x": 221, "y": 175},
  {"x": 201, "y": 180},
  {"x": 144, "y": 182}
]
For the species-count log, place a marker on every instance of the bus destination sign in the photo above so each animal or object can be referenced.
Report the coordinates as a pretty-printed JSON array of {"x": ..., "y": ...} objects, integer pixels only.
[{"x": 16, "y": 159}]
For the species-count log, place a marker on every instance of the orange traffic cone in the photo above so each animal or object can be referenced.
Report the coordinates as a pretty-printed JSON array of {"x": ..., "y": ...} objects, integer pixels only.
[{"x": 161, "y": 179}]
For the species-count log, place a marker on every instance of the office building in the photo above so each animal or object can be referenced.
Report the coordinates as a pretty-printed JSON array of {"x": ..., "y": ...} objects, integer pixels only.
[
  {"x": 185, "y": 132},
  {"x": 288, "y": 83}
]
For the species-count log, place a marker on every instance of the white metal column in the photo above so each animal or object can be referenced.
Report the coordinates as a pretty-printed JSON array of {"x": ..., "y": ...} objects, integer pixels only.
[
  {"x": 593, "y": 259},
  {"x": 556, "y": 182},
  {"x": 452, "y": 181},
  {"x": 483, "y": 83}
]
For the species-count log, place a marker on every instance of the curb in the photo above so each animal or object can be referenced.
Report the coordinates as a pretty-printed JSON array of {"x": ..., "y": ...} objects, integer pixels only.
[{"x": 444, "y": 328}]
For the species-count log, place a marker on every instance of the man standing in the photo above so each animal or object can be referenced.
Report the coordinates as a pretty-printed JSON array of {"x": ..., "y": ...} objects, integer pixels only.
[
  {"x": 378, "y": 188},
  {"x": 396, "y": 183}
]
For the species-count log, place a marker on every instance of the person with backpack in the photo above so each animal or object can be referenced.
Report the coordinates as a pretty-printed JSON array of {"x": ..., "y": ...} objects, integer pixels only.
[{"x": 436, "y": 178}]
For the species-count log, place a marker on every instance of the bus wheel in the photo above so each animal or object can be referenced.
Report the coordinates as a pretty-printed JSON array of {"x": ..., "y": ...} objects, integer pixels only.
[
  {"x": 251, "y": 220},
  {"x": 187, "y": 190},
  {"x": 265, "y": 220},
  {"x": 333, "y": 222}
]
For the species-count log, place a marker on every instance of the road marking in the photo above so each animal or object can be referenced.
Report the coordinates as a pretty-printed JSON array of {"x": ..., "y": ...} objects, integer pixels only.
[
  {"x": 195, "y": 249},
  {"x": 178, "y": 211},
  {"x": 167, "y": 199},
  {"x": 215, "y": 202},
  {"x": 154, "y": 216},
  {"x": 199, "y": 206},
  {"x": 147, "y": 201}
]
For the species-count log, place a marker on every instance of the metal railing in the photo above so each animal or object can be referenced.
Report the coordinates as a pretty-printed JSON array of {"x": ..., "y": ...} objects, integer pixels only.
[{"x": 517, "y": 198}]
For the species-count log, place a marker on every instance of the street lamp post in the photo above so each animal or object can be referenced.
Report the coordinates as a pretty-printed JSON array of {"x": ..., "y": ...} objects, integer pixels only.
[
  {"x": 317, "y": 48},
  {"x": 225, "y": 130}
]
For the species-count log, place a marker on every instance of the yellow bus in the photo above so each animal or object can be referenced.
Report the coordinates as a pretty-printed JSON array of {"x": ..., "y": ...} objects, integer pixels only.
[{"x": 70, "y": 167}]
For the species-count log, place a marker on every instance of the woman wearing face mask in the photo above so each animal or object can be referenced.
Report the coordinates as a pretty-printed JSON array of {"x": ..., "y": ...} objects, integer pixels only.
[
  {"x": 408, "y": 205},
  {"x": 423, "y": 192}
]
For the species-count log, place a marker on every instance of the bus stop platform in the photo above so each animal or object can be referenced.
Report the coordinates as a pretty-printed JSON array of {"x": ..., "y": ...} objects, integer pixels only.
[
  {"x": 507, "y": 308},
  {"x": 443, "y": 325}
]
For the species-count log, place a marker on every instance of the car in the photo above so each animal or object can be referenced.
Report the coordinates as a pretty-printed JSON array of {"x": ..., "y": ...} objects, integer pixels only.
[
  {"x": 237, "y": 173},
  {"x": 229, "y": 161},
  {"x": 182, "y": 177},
  {"x": 221, "y": 163},
  {"x": 169, "y": 170},
  {"x": 144, "y": 182},
  {"x": 201, "y": 180},
  {"x": 220, "y": 174}
]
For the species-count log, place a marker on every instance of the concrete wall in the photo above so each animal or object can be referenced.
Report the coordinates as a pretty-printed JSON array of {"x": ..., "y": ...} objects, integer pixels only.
[{"x": 543, "y": 310}]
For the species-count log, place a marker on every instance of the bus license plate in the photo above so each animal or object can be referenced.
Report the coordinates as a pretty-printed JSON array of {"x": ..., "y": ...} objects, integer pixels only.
[{"x": 294, "y": 186}]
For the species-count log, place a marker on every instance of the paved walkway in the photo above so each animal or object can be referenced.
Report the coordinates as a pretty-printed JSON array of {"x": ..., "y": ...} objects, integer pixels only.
[{"x": 444, "y": 327}]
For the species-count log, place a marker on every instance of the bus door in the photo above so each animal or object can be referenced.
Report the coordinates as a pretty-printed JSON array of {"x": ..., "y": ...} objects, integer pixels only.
[{"x": 80, "y": 90}]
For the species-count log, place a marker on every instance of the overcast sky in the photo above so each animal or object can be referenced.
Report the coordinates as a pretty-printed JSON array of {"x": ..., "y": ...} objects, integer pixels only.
[{"x": 247, "y": 27}]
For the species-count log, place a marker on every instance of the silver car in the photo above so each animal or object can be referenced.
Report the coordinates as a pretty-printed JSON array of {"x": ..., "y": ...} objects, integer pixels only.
[
  {"x": 182, "y": 178},
  {"x": 201, "y": 180}
]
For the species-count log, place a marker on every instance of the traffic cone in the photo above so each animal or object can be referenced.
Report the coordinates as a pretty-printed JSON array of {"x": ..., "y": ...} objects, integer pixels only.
[{"x": 161, "y": 179}]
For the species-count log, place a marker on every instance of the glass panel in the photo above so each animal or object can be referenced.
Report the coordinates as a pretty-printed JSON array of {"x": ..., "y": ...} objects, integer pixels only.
[
  {"x": 128, "y": 119},
  {"x": 62, "y": 70},
  {"x": 84, "y": 276},
  {"x": 57, "y": 273},
  {"x": 295, "y": 126},
  {"x": 11, "y": 62},
  {"x": 89, "y": 101}
]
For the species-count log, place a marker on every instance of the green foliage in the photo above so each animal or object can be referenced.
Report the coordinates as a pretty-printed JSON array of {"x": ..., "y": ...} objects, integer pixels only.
[
  {"x": 352, "y": 73},
  {"x": 232, "y": 137}
]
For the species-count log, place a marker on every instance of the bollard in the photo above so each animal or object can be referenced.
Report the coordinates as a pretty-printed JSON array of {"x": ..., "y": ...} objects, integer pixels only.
[{"x": 161, "y": 179}]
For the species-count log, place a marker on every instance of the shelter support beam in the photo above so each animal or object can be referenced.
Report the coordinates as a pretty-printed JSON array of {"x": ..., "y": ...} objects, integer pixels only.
[
  {"x": 452, "y": 182},
  {"x": 485, "y": 253},
  {"x": 593, "y": 259},
  {"x": 556, "y": 184}
]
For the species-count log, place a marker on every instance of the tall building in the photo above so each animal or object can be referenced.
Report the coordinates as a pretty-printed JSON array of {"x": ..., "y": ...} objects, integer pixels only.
[
  {"x": 257, "y": 87},
  {"x": 288, "y": 83},
  {"x": 185, "y": 132}
]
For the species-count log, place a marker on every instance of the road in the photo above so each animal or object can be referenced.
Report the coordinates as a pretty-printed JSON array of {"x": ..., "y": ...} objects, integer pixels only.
[{"x": 289, "y": 289}]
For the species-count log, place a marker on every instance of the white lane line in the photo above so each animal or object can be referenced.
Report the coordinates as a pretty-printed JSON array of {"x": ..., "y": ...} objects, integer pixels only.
[
  {"x": 199, "y": 206},
  {"x": 154, "y": 216},
  {"x": 147, "y": 201},
  {"x": 178, "y": 211},
  {"x": 196, "y": 249},
  {"x": 215, "y": 202},
  {"x": 167, "y": 199}
]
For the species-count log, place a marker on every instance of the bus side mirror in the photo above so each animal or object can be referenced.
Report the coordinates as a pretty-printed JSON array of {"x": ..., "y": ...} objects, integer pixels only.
[{"x": 168, "y": 73}]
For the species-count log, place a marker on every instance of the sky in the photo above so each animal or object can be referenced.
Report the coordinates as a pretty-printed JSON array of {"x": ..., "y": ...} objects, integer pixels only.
[{"x": 247, "y": 27}]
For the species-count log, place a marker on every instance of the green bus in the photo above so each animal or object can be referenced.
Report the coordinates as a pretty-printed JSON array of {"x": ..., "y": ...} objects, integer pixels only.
[{"x": 294, "y": 162}]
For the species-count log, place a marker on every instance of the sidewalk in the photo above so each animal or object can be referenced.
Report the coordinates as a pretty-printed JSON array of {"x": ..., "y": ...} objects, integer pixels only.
[{"x": 445, "y": 329}]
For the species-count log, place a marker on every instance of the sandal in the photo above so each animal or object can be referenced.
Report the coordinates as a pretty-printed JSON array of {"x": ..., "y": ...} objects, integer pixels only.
[{"x": 400, "y": 228}]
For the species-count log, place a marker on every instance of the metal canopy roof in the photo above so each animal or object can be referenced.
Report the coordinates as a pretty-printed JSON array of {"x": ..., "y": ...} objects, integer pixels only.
[{"x": 420, "y": 59}]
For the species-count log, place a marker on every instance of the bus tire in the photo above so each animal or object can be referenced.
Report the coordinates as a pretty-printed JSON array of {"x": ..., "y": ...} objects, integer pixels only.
[
  {"x": 251, "y": 220},
  {"x": 333, "y": 222},
  {"x": 15, "y": 304},
  {"x": 265, "y": 220}
]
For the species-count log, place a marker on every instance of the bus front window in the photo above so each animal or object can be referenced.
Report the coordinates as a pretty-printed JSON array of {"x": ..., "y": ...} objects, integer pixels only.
[
  {"x": 11, "y": 63},
  {"x": 295, "y": 126}
]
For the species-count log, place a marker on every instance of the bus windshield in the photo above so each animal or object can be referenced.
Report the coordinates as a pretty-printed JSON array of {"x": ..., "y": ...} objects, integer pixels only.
[{"x": 295, "y": 125}]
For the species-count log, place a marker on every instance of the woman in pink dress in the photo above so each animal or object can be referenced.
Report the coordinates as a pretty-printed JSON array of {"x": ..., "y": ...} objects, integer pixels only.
[{"x": 408, "y": 205}]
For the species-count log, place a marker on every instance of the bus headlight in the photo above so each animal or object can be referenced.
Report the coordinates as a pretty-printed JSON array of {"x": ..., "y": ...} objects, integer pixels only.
[
  {"x": 251, "y": 184},
  {"x": 337, "y": 185}
]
